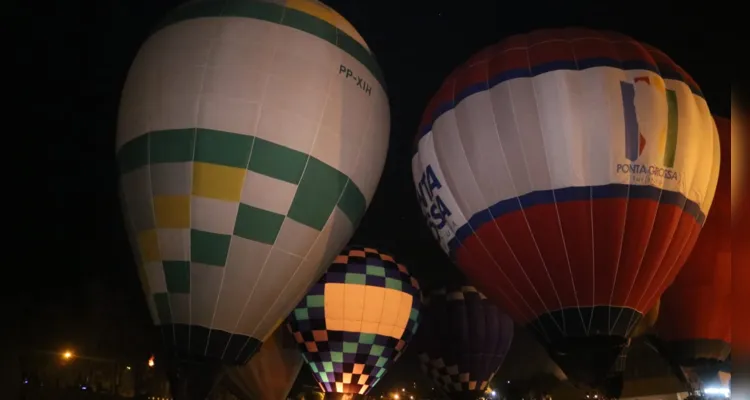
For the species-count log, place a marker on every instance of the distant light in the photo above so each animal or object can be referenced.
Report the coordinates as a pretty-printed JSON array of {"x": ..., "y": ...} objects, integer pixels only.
[
  {"x": 493, "y": 393},
  {"x": 83, "y": 387},
  {"x": 151, "y": 362},
  {"x": 403, "y": 390},
  {"x": 25, "y": 381},
  {"x": 596, "y": 396},
  {"x": 127, "y": 367},
  {"x": 718, "y": 390},
  {"x": 411, "y": 397},
  {"x": 67, "y": 355},
  {"x": 396, "y": 396},
  {"x": 508, "y": 381}
]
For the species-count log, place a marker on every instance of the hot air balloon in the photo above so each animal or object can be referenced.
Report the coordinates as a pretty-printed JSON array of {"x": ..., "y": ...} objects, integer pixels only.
[
  {"x": 251, "y": 138},
  {"x": 356, "y": 321},
  {"x": 271, "y": 372},
  {"x": 463, "y": 341},
  {"x": 695, "y": 326},
  {"x": 567, "y": 172}
]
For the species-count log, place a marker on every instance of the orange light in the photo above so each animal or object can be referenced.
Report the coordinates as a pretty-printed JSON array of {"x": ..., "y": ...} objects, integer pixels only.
[
  {"x": 67, "y": 355},
  {"x": 151, "y": 362}
]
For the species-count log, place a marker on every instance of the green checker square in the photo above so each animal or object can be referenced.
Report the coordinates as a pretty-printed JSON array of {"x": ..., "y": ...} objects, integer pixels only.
[
  {"x": 256, "y": 224},
  {"x": 315, "y": 300},
  {"x": 301, "y": 314},
  {"x": 381, "y": 362},
  {"x": 391, "y": 283},
  {"x": 173, "y": 145},
  {"x": 177, "y": 275},
  {"x": 133, "y": 154},
  {"x": 312, "y": 365},
  {"x": 323, "y": 376},
  {"x": 223, "y": 148},
  {"x": 163, "y": 310},
  {"x": 353, "y": 203},
  {"x": 337, "y": 356},
  {"x": 327, "y": 366},
  {"x": 312, "y": 25},
  {"x": 375, "y": 270},
  {"x": 414, "y": 314},
  {"x": 350, "y": 348},
  {"x": 367, "y": 338},
  {"x": 358, "y": 279},
  {"x": 414, "y": 327},
  {"x": 376, "y": 350},
  {"x": 253, "y": 9},
  {"x": 317, "y": 194},
  {"x": 209, "y": 248},
  {"x": 379, "y": 374},
  {"x": 277, "y": 161}
]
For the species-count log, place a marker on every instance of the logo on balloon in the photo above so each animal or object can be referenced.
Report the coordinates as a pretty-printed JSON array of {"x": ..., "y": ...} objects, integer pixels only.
[
  {"x": 636, "y": 142},
  {"x": 435, "y": 209}
]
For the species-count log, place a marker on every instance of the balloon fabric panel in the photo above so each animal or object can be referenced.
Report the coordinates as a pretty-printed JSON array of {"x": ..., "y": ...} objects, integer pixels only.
[
  {"x": 463, "y": 340},
  {"x": 568, "y": 173},
  {"x": 237, "y": 189},
  {"x": 696, "y": 316},
  {"x": 357, "y": 320}
]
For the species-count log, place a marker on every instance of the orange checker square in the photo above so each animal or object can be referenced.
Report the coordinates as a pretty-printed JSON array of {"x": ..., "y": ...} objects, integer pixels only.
[
  {"x": 356, "y": 253},
  {"x": 320, "y": 336},
  {"x": 402, "y": 268},
  {"x": 386, "y": 257},
  {"x": 312, "y": 347},
  {"x": 358, "y": 368},
  {"x": 341, "y": 259}
]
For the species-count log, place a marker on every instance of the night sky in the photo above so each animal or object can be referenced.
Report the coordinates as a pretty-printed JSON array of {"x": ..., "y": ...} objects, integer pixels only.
[{"x": 80, "y": 280}]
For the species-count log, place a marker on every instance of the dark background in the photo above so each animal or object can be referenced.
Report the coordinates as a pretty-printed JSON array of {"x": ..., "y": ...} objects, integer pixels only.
[{"x": 79, "y": 285}]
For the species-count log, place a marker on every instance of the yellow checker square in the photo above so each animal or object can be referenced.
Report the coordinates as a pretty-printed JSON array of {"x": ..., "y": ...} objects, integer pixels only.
[
  {"x": 217, "y": 181},
  {"x": 172, "y": 212},
  {"x": 148, "y": 244},
  {"x": 358, "y": 308},
  {"x": 347, "y": 378},
  {"x": 320, "y": 11}
]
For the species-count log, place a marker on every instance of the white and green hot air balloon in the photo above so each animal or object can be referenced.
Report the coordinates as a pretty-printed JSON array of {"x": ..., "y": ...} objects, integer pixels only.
[{"x": 251, "y": 137}]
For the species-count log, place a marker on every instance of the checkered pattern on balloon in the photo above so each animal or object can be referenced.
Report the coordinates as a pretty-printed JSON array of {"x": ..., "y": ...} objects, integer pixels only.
[
  {"x": 351, "y": 356},
  {"x": 441, "y": 361}
]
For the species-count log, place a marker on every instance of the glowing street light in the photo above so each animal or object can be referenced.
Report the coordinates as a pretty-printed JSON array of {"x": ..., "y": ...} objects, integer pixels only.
[{"x": 67, "y": 355}]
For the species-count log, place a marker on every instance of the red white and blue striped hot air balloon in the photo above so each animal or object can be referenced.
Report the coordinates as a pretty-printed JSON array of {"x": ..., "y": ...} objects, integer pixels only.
[{"x": 567, "y": 172}]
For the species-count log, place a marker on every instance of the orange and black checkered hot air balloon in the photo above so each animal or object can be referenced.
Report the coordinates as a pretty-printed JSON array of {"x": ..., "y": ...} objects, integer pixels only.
[
  {"x": 694, "y": 326},
  {"x": 357, "y": 320}
]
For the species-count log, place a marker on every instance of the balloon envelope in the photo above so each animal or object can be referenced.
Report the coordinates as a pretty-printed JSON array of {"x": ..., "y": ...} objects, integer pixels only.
[
  {"x": 357, "y": 320},
  {"x": 463, "y": 341},
  {"x": 251, "y": 137},
  {"x": 272, "y": 371},
  {"x": 695, "y": 323},
  {"x": 567, "y": 172}
]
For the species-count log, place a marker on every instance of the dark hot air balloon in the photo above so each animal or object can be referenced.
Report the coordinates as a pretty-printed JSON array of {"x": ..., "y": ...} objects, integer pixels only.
[
  {"x": 567, "y": 172},
  {"x": 356, "y": 321},
  {"x": 695, "y": 325},
  {"x": 463, "y": 341}
]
